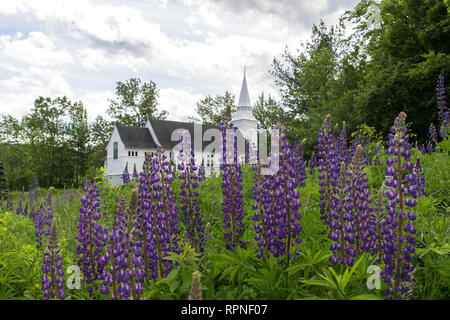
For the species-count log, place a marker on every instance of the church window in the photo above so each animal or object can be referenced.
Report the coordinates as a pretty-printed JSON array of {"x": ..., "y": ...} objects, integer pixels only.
[{"x": 115, "y": 150}]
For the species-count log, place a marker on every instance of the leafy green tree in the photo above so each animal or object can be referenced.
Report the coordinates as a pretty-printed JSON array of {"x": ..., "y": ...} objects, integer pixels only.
[
  {"x": 3, "y": 182},
  {"x": 100, "y": 130},
  {"x": 135, "y": 103},
  {"x": 405, "y": 55},
  {"x": 268, "y": 112},
  {"x": 211, "y": 110},
  {"x": 100, "y": 133},
  {"x": 44, "y": 132},
  {"x": 78, "y": 139},
  {"x": 307, "y": 79}
]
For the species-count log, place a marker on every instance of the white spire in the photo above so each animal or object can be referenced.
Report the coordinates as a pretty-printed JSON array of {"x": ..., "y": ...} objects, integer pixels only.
[{"x": 244, "y": 100}]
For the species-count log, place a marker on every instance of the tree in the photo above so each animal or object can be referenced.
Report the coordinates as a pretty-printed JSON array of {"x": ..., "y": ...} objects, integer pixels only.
[
  {"x": 44, "y": 132},
  {"x": 100, "y": 130},
  {"x": 3, "y": 182},
  {"x": 405, "y": 56},
  {"x": 211, "y": 110},
  {"x": 268, "y": 112},
  {"x": 136, "y": 102},
  {"x": 78, "y": 139},
  {"x": 307, "y": 80}
]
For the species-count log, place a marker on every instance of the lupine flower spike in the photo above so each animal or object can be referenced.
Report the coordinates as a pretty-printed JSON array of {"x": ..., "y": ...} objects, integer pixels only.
[
  {"x": 92, "y": 237},
  {"x": 398, "y": 233},
  {"x": 232, "y": 205},
  {"x": 126, "y": 174},
  {"x": 189, "y": 203},
  {"x": 443, "y": 112},
  {"x": 44, "y": 218},
  {"x": 328, "y": 168},
  {"x": 52, "y": 279}
]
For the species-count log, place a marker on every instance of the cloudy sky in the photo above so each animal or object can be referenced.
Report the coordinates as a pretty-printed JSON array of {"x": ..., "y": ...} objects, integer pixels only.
[{"x": 189, "y": 48}]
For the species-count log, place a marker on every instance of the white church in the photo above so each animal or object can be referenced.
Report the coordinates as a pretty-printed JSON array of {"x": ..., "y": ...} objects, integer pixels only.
[{"x": 130, "y": 144}]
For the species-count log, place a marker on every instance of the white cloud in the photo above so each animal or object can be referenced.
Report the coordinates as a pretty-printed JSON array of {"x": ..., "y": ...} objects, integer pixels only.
[
  {"x": 37, "y": 50},
  {"x": 81, "y": 48},
  {"x": 180, "y": 103}
]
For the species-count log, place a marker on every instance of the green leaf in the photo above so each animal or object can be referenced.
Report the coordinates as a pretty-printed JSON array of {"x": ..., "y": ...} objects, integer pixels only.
[
  {"x": 366, "y": 297},
  {"x": 318, "y": 283}
]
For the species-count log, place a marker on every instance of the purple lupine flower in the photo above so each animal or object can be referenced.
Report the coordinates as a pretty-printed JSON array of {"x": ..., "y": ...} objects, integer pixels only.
[
  {"x": 135, "y": 173},
  {"x": 92, "y": 237},
  {"x": 126, "y": 175},
  {"x": 52, "y": 279},
  {"x": 377, "y": 161},
  {"x": 19, "y": 209},
  {"x": 232, "y": 205},
  {"x": 276, "y": 204},
  {"x": 340, "y": 222},
  {"x": 9, "y": 203},
  {"x": 341, "y": 146},
  {"x": 158, "y": 215},
  {"x": 443, "y": 113},
  {"x": 263, "y": 216},
  {"x": 287, "y": 205},
  {"x": 166, "y": 208},
  {"x": 300, "y": 172},
  {"x": 189, "y": 203},
  {"x": 419, "y": 176},
  {"x": 359, "y": 203},
  {"x": 422, "y": 149},
  {"x": 201, "y": 171},
  {"x": 328, "y": 168},
  {"x": 44, "y": 218},
  {"x": 312, "y": 162},
  {"x": 147, "y": 221},
  {"x": 247, "y": 151},
  {"x": 358, "y": 140},
  {"x": 379, "y": 218},
  {"x": 196, "y": 287},
  {"x": 398, "y": 229},
  {"x": 71, "y": 195},
  {"x": 125, "y": 273},
  {"x": 264, "y": 202}
]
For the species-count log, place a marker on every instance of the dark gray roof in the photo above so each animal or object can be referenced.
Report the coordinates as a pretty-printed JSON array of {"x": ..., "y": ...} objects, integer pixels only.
[
  {"x": 136, "y": 137},
  {"x": 164, "y": 128}
]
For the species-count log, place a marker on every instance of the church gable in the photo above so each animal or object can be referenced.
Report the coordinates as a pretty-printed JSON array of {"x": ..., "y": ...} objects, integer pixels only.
[{"x": 136, "y": 137}]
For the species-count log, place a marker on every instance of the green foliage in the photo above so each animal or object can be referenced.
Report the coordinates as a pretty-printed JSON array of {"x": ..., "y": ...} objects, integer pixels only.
[
  {"x": 268, "y": 112},
  {"x": 135, "y": 103},
  {"x": 240, "y": 274},
  {"x": 52, "y": 141},
  {"x": 3, "y": 182},
  {"x": 211, "y": 110},
  {"x": 20, "y": 261},
  {"x": 389, "y": 63}
]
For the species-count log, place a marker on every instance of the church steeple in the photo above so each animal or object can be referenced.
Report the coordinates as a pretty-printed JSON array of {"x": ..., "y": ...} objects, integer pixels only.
[
  {"x": 244, "y": 99},
  {"x": 244, "y": 108},
  {"x": 243, "y": 118}
]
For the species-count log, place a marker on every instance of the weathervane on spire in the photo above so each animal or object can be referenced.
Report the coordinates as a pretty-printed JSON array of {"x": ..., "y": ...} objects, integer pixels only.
[{"x": 245, "y": 69}]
